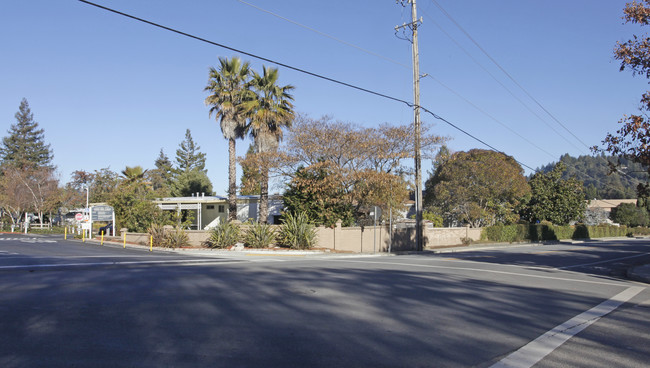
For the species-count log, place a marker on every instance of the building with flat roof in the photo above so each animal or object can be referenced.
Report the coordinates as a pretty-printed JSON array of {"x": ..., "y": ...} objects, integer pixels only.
[{"x": 210, "y": 211}]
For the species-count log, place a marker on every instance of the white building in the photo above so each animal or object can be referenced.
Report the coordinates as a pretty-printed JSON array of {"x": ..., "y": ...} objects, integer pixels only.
[{"x": 210, "y": 211}]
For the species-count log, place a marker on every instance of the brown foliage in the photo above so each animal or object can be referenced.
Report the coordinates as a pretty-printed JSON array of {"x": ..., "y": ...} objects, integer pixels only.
[
  {"x": 29, "y": 189},
  {"x": 371, "y": 165}
]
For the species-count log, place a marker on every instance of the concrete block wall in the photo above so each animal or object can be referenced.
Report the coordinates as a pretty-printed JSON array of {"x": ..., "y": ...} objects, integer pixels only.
[{"x": 366, "y": 239}]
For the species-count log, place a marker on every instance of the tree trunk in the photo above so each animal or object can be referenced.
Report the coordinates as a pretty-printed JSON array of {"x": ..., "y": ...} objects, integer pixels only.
[
  {"x": 232, "y": 181},
  {"x": 264, "y": 195}
]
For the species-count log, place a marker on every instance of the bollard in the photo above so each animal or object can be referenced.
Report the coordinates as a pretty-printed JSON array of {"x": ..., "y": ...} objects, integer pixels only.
[
  {"x": 102, "y": 242},
  {"x": 124, "y": 240},
  {"x": 151, "y": 243},
  {"x": 83, "y": 236},
  {"x": 65, "y": 233}
]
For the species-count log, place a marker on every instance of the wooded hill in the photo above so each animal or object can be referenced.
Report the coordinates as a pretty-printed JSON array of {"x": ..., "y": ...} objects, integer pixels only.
[{"x": 600, "y": 179}]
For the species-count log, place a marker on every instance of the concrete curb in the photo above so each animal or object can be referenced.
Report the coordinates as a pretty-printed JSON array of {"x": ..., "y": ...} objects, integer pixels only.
[
  {"x": 636, "y": 273},
  {"x": 639, "y": 273},
  {"x": 212, "y": 252}
]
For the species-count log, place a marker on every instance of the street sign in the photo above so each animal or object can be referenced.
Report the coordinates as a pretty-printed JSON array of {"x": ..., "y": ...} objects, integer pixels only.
[
  {"x": 79, "y": 216},
  {"x": 102, "y": 213}
]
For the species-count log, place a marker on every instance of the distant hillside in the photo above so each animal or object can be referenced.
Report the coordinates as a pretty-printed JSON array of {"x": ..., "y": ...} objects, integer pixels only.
[{"x": 594, "y": 172}]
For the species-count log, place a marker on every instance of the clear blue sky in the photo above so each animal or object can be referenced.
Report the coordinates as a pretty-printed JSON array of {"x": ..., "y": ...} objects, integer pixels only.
[{"x": 111, "y": 92}]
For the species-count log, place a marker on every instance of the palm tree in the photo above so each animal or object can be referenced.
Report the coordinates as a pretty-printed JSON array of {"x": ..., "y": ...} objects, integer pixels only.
[
  {"x": 134, "y": 174},
  {"x": 229, "y": 88},
  {"x": 269, "y": 112}
]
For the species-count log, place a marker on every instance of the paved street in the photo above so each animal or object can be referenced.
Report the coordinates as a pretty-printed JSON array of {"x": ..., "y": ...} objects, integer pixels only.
[{"x": 66, "y": 303}]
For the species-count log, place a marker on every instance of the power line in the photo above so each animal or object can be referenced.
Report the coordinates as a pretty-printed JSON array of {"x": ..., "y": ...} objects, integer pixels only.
[
  {"x": 245, "y": 53},
  {"x": 499, "y": 82},
  {"x": 427, "y": 75},
  {"x": 436, "y": 116},
  {"x": 324, "y": 34},
  {"x": 492, "y": 117},
  {"x": 409, "y": 104},
  {"x": 506, "y": 73}
]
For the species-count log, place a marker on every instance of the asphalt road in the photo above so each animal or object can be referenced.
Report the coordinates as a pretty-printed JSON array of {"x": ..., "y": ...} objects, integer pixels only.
[{"x": 68, "y": 304}]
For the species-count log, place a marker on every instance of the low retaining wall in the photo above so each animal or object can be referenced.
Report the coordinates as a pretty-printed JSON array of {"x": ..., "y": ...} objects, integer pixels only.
[
  {"x": 368, "y": 239},
  {"x": 196, "y": 237},
  {"x": 371, "y": 239}
]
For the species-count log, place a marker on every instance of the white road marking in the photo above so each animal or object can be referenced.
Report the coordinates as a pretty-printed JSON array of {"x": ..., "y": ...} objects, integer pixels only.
[
  {"x": 29, "y": 240},
  {"x": 518, "y": 274},
  {"x": 601, "y": 262},
  {"x": 536, "y": 350},
  {"x": 123, "y": 263}
]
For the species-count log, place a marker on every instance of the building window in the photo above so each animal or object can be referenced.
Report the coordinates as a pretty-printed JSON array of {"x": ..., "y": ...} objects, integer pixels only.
[
  {"x": 209, "y": 206},
  {"x": 222, "y": 208}
]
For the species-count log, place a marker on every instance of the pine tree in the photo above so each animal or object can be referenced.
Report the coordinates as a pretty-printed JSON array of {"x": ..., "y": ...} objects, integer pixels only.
[
  {"x": 25, "y": 146},
  {"x": 162, "y": 176},
  {"x": 188, "y": 156},
  {"x": 164, "y": 167}
]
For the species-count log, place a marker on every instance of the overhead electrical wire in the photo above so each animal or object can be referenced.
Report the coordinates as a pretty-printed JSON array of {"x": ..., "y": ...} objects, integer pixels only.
[
  {"x": 442, "y": 84},
  {"x": 323, "y": 33},
  {"x": 425, "y": 74},
  {"x": 244, "y": 52},
  {"x": 301, "y": 71},
  {"x": 499, "y": 82},
  {"x": 506, "y": 73}
]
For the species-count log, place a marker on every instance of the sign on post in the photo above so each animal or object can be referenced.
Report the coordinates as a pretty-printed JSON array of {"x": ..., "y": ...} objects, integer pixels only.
[{"x": 103, "y": 213}]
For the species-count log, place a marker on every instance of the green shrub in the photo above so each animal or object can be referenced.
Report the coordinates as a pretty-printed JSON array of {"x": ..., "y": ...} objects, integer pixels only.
[
  {"x": 259, "y": 236},
  {"x": 226, "y": 234},
  {"x": 504, "y": 233},
  {"x": 176, "y": 238},
  {"x": 581, "y": 232},
  {"x": 297, "y": 232},
  {"x": 546, "y": 231},
  {"x": 168, "y": 238},
  {"x": 436, "y": 219},
  {"x": 157, "y": 233}
]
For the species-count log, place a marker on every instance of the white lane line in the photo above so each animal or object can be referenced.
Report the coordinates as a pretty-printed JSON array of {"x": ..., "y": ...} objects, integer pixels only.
[
  {"x": 531, "y": 353},
  {"x": 518, "y": 274},
  {"x": 601, "y": 262},
  {"x": 123, "y": 263}
]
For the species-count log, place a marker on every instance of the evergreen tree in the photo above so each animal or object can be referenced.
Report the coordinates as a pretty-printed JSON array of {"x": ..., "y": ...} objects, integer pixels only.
[
  {"x": 554, "y": 199},
  {"x": 317, "y": 192},
  {"x": 191, "y": 182},
  {"x": 25, "y": 146},
  {"x": 604, "y": 177},
  {"x": 630, "y": 215},
  {"x": 162, "y": 176},
  {"x": 188, "y": 156}
]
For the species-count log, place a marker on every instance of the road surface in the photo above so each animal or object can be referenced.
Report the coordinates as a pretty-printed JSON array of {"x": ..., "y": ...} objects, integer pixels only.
[{"x": 70, "y": 304}]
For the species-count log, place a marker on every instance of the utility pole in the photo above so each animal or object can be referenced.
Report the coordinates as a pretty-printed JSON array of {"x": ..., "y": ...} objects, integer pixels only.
[{"x": 416, "y": 120}]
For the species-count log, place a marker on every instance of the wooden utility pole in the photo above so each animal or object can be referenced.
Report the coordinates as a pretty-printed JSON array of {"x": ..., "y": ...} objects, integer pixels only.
[{"x": 416, "y": 122}]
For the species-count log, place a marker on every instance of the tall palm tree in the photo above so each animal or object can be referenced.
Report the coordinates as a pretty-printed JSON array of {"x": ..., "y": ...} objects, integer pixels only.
[
  {"x": 269, "y": 112},
  {"x": 134, "y": 174},
  {"x": 229, "y": 88}
]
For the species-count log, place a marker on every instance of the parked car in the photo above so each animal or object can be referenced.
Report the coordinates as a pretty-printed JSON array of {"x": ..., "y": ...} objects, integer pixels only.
[{"x": 106, "y": 229}]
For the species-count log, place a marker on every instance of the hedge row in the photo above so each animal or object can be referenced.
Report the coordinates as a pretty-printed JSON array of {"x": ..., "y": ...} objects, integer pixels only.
[{"x": 541, "y": 232}]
